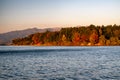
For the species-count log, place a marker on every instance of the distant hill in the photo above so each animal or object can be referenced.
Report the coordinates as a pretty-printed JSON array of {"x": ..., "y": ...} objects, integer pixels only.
[
  {"x": 75, "y": 36},
  {"x": 6, "y": 38}
]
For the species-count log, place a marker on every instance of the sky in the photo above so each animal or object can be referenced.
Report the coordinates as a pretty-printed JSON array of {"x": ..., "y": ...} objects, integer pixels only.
[{"x": 23, "y": 14}]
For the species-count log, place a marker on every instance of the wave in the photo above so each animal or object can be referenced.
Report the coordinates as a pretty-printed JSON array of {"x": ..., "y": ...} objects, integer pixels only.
[{"x": 40, "y": 50}]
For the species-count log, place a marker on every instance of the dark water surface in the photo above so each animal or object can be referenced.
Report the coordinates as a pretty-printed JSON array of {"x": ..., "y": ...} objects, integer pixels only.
[{"x": 59, "y": 63}]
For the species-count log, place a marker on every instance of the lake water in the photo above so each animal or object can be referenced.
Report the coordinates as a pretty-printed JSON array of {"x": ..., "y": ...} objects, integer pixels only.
[{"x": 59, "y": 63}]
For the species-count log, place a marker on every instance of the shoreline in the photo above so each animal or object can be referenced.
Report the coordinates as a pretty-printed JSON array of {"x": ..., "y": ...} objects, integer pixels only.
[{"x": 62, "y": 45}]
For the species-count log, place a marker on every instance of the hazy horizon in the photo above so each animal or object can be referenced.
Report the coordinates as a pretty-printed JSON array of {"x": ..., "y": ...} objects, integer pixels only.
[{"x": 23, "y": 14}]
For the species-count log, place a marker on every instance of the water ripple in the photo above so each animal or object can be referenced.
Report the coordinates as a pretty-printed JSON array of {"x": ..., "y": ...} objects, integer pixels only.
[{"x": 60, "y": 63}]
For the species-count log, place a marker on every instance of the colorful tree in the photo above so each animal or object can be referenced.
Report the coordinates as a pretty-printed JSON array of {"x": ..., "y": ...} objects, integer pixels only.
[
  {"x": 102, "y": 40},
  {"x": 94, "y": 38},
  {"x": 36, "y": 38},
  {"x": 114, "y": 41},
  {"x": 81, "y": 35},
  {"x": 64, "y": 39}
]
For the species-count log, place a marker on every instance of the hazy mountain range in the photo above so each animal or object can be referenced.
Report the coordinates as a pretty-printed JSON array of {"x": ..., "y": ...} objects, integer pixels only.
[{"x": 6, "y": 38}]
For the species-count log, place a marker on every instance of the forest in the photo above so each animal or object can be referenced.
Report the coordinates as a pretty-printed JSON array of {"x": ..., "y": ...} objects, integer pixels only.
[{"x": 91, "y": 35}]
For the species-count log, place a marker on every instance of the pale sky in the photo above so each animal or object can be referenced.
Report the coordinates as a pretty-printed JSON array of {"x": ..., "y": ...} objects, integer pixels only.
[{"x": 23, "y": 14}]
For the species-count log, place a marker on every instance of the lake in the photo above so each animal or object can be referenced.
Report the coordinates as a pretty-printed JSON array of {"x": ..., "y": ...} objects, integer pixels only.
[{"x": 59, "y": 63}]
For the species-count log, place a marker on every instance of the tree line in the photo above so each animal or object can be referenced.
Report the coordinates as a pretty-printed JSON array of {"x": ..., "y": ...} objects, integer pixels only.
[{"x": 75, "y": 36}]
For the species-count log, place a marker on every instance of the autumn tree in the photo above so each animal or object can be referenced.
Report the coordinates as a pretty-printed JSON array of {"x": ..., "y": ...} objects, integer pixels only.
[
  {"x": 76, "y": 38},
  {"x": 102, "y": 40},
  {"x": 114, "y": 41},
  {"x": 64, "y": 39},
  {"x": 86, "y": 35},
  {"x": 108, "y": 42},
  {"x": 94, "y": 37},
  {"x": 36, "y": 38}
]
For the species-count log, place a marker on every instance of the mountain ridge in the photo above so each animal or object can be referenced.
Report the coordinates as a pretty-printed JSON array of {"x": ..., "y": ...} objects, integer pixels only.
[{"x": 6, "y": 38}]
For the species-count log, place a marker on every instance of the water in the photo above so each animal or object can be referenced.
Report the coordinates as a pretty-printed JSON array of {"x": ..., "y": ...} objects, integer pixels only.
[{"x": 59, "y": 63}]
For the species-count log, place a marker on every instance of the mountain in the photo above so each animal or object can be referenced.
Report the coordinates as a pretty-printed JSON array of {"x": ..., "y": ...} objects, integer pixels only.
[{"x": 6, "y": 38}]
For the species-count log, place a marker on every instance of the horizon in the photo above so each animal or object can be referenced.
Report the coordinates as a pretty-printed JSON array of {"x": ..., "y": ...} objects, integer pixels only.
[
  {"x": 58, "y": 27},
  {"x": 23, "y": 14}
]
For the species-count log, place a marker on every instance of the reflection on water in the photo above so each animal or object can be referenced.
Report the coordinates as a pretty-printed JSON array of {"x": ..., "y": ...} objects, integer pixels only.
[{"x": 59, "y": 63}]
